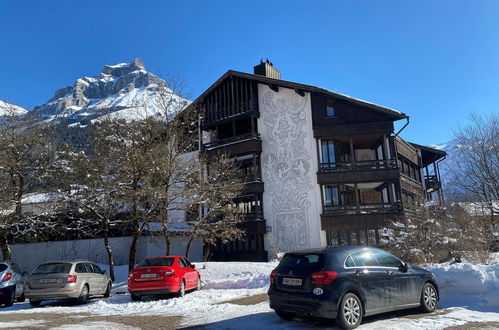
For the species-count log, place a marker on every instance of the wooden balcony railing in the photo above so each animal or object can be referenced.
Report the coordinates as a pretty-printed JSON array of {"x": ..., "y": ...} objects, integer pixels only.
[
  {"x": 234, "y": 139},
  {"x": 360, "y": 165},
  {"x": 375, "y": 208}
]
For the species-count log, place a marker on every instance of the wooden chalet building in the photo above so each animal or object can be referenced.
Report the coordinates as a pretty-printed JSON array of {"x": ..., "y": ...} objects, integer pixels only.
[{"x": 320, "y": 168}]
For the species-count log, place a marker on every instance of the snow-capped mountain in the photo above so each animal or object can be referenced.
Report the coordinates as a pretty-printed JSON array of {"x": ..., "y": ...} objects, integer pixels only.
[
  {"x": 7, "y": 109},
  {"x": 124, "y": 90}
]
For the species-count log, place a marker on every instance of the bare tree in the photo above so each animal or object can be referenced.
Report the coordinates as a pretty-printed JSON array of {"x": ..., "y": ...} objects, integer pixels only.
[
  {"x": 475, "y": 165},
  {"x": 25, "y": 151}
]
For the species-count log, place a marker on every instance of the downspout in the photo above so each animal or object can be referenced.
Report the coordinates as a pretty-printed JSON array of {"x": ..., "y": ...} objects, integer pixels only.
[{"x": 405, "y": 125}]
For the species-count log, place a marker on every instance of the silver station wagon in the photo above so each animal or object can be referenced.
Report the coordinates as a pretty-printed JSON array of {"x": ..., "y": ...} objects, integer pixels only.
[{"x": 67, "y": 280}]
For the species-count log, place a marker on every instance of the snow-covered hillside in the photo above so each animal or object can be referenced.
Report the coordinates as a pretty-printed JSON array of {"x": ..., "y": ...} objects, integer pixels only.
[
  {"x": 11, "y": 109},
  {"x": 124, "y": 90}
]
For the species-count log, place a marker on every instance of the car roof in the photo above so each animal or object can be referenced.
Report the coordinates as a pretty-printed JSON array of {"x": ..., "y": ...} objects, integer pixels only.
[{"x": 329, "y": 249}]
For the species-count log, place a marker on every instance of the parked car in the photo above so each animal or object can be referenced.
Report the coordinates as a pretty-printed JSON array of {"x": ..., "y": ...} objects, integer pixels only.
[
  {"x": 11, "y": 283},
  {"x": 163, "y": 275},
  {"x": 348, "y": 283},
  {"x": 78, "y": 280}
]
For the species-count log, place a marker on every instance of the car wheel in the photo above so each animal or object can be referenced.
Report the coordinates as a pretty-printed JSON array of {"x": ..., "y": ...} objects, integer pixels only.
[
  {"x": 22, "y": 298},
  {"x": 285, "y": 315},
  {"x": 83, "y": 298},
  {"x": 349, "y": 312},
  {"x": 181, "y": 291},
  {"x": 199, "y": 285},
  {"x": 135, "y": 297},
  {"x": 35, "y": 303},
  {"x": 10, "y": 300},
  {"x": 429, "y": 298},
  {"x": 108, "y": 290}
]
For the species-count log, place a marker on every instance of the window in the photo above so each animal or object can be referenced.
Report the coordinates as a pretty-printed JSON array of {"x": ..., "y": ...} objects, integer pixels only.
[
  {"x": 303, "y": 261},
  {"x": 330, "y": 111},
  {"x": 181, "y": 262},
  {"x": 363, "y": 258},
  {"x": 327, "y": 153},
  {"x": 80, "y": 268},
  {"x": 53, "y": 268},
  {"x": 156, "y": 262},
  {"x": 385, "y": 259},
  {"x": 349, "y": 262},
  {"x": 95, "y": 268},
  {"x": 331, "y": 196}
]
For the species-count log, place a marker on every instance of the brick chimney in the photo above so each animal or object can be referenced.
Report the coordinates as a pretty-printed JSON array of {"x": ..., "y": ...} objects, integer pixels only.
[{"x": 266, "y": 68}]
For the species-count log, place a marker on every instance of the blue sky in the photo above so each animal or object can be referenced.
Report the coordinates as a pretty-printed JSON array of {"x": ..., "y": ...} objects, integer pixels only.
[{"x": 437, "y": 61}]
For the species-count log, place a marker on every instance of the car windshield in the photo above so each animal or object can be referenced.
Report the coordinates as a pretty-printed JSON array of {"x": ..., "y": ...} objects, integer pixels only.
[
  {"x": 3, "y": 267},
  {"x": 52, "y": 268},
  {"x": 303, "y": 261},
  {"x": 156, "y": 262}
]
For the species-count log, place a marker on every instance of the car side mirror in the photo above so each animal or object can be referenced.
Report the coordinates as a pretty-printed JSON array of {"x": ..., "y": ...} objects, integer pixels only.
[
  {"x": 404, "y": 266},
  {"x": 193, "y": 266},
  {"x": 103, "y": 272}
]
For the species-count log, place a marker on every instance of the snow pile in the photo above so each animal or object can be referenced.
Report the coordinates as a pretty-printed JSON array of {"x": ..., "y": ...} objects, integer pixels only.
[
  {"x": 468, "y": 285},
  {"x": 235, "y": 275}
]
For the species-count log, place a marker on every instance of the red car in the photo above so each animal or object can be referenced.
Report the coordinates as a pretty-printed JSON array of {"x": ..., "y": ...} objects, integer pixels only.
[{"x": 163, "y": 275}]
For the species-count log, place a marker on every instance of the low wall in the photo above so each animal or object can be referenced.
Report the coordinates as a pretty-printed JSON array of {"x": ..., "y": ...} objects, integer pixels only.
[{"x": 28, "y": 256}]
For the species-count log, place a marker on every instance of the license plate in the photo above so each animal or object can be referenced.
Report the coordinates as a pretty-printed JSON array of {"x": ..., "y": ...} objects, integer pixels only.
[
  {"x": 47, "y": 280},
  {"x": 148, "y": 275},
  {"x": 292, "y": 281}
]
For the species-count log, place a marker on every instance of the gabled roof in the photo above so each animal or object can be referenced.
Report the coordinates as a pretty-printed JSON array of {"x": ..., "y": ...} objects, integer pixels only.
[{"x": 302, "y": 87}]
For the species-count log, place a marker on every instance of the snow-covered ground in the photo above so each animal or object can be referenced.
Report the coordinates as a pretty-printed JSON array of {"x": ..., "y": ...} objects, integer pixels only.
[{"x": 470, "y": 293}]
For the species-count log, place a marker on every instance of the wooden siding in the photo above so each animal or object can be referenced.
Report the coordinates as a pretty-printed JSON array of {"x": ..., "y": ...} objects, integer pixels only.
[
  {"x": 357, "y": 221},
  {"x": 233, "y": 98},
  {"x": 358, "y": 176},
  {"x": 408, "y": 151}
]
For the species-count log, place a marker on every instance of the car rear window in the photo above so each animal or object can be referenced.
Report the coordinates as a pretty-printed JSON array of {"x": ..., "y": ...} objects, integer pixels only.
[
  {"x": 3, "y": 267},
  {"x": 53, "y": 268},
  {"x": 303, "y": 261},
  {"x": 156, "y": 262}
]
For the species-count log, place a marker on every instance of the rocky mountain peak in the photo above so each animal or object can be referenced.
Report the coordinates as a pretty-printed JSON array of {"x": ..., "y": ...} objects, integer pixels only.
[
  {"x": 118, "y": 88},
  {"x": 122, "y": 69}
]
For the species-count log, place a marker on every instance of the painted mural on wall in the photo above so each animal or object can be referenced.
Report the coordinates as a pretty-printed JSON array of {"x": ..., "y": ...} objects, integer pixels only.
[{"x": 286, "y": 167}]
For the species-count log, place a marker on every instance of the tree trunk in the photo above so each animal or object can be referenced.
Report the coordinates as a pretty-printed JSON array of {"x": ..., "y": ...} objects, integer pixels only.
[
  {"x": 167, "y": 239},
  {"x": 188, "y": 247},
  {"x": 4, "y": 246},
  {"x": 133, "y": 250},
  {"x": 109, "y": 255}
]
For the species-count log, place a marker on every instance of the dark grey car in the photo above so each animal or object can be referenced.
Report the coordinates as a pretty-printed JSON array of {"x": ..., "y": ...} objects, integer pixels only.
[
  {"x": 11, "y": 283},
  {"x": 348, "y": 283}
]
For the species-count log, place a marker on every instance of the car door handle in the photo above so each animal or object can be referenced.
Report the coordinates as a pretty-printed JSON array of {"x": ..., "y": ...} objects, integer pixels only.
[
  {"x": 389, "y": 272},
  {"x": 359, "y": 272}
]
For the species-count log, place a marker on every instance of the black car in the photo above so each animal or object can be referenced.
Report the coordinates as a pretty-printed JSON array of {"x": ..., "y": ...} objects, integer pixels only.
[{"x": 348, "y": 283}]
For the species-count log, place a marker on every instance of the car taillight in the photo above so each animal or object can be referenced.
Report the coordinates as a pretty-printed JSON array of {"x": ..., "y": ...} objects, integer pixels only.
[
  {"x": 130, "y": 275},
  {"x": 272, "y": 276},
  {"x": 7, "y": 277},
  {"x": 71, "y": 279},
  {"x": 324, "y": 277}
]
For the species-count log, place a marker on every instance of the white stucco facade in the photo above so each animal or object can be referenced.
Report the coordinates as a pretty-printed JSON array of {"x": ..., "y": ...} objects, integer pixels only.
[{"x": 291, "y": 200}]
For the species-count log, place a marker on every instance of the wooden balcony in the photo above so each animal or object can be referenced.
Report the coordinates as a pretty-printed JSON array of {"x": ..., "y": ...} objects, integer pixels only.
[
  {"x": 432, "y": 183},
  {"x": 359, "y": 171},
  {"x": 360, "y": 217},
  {"x": 242, "y": 144}
]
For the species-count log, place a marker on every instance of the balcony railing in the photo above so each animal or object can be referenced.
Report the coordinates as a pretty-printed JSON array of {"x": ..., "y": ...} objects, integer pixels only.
[
  {"x": 234, "y": 139},
  {"x": 432, "y": 183},
  {"x": 374, "y": 208},
  {"x": 360, "y": 165}
]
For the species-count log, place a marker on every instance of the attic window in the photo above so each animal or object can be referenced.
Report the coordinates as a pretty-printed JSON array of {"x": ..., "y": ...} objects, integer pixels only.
[{"x": 330, "y": 111}]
